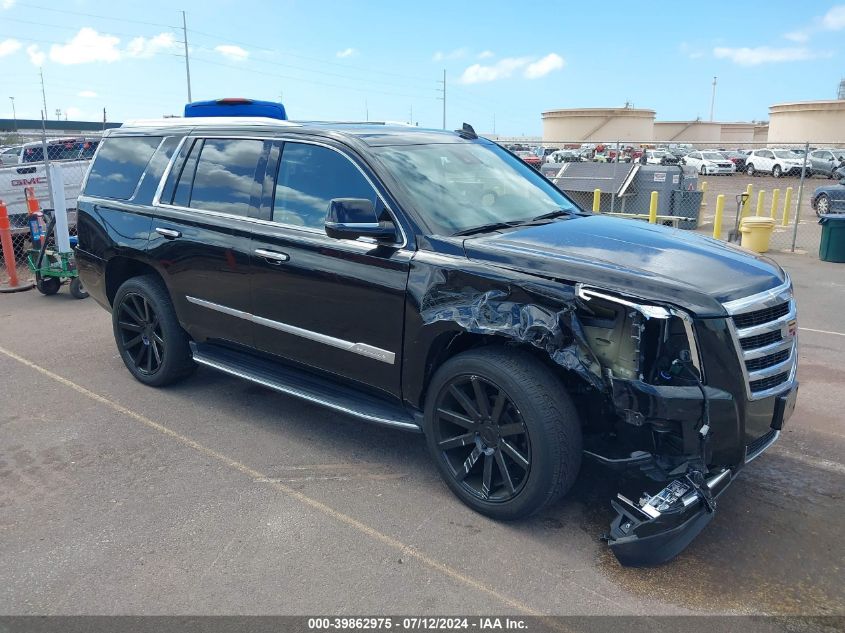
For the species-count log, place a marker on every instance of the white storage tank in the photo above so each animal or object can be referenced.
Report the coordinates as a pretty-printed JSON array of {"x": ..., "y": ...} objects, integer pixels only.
[
  {"x": 598, "y": 125},
  {"x": 820, "y": 122}
]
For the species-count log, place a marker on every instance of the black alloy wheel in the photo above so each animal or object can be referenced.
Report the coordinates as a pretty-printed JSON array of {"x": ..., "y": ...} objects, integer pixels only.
[
  {"x": 483, "y": 438},
  {"x": 140, "y": 333}
]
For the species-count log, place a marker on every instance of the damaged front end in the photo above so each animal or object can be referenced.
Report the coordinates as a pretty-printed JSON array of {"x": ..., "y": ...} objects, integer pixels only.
[{"x": 639, "y": 383}]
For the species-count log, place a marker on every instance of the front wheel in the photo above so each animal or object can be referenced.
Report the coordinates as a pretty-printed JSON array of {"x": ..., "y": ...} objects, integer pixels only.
[
  {"x": 152, "y": 344},
  {"x": 822, "y": 205},
  {"x": 502, "y": 431},
  {"x": 77, "y": 290}
]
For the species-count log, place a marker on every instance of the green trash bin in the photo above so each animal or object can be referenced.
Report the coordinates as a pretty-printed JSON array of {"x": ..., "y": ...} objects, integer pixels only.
[{"x": 832, "y": 247}]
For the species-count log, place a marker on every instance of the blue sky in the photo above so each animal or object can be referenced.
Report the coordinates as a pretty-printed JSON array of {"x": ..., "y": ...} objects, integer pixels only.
[{"x": 350, "y": 60}]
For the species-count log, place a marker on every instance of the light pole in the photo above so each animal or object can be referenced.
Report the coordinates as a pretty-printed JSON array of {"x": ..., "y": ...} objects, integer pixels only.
[{"x": 14, "y": 115}]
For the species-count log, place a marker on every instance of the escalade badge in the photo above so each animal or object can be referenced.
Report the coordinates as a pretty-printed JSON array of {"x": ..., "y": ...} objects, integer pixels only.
[{"x": 790, "y": 329}]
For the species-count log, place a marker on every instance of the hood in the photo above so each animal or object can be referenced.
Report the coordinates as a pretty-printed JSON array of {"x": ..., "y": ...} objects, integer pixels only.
[{"x": 632, "y": 257}]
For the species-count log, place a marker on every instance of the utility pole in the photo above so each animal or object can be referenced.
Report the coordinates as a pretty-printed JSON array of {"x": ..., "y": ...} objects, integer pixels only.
[
  {"x": 58, "y": 114},
  {"x": 366, "y": 110},
  {"x": 443, "y": 90},
  {"x": 14, "y": 114},
  {"x": 43, "y": 94},
  {"x": 713, "y": 99},
  {"x": 104, "y": 119},
  {"x": 187, "y": 63}
]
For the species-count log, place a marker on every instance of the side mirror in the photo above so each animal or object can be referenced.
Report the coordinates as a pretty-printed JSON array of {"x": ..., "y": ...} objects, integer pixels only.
[{"x": 351, "y": 218}]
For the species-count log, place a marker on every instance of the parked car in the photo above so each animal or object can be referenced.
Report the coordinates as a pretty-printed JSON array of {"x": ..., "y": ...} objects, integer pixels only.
[
  {"x": 10, "y": 155},
  {"x": 430, "y": 281},
  {"x": 737, "y": 158},
  {"x": 564, "y": 156},
  {"x": 709, "y": 162},
  {"x": 530, "y": 158},
  {"x": 777, "y": 162},
  {"x": 830, "y": 198},
  {"x": 544, "y": 152},
  {"x": 660, "y": 157},
  {"x": 825, "y": 162}
]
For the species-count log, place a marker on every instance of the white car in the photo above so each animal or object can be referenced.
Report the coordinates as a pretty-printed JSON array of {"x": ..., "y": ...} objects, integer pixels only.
[
  {"x": 707, "y": 163},
  {"x": 776, "y": 162}
]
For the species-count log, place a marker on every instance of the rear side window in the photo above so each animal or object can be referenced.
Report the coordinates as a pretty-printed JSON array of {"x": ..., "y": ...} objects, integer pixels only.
[
  {"x": 119, "y": 165},
  {"x": 310, "y": 176},
  {"x": 224, "y": 176}
]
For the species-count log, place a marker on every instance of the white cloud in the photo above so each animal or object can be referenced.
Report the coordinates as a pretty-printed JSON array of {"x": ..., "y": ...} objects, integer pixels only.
[
  {"x": 834, "y": 20},
  {"x": 73, "y": 112},
  {"x": 347, "y": 52},
  {"x": 799, "y": 36},
  {"x": 532, "y": 68},
  {"x": 458, "y": 53},
  {"x": 144, "y": 47},
  {"x": 230, "y": 51},
  {"x": 8, "y": 4},
  {"x": 502, "y": 69},
  {"x": 36, "y": 55},
  {"x": 85, "y": 47},
  {"x": 544, "y": 66},
  {"x": 486, "y": 54},
  {"x": 690, "y": 51},
  {"x": 87, "y": 94},
  {"x": 764, "y": 55},
  {"x": 7, "y": 47}
]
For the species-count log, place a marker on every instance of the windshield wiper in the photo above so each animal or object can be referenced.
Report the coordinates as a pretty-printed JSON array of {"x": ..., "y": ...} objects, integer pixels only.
[
  {"x": 552, "y": 214},
  {"x": 485, "y": 228}
]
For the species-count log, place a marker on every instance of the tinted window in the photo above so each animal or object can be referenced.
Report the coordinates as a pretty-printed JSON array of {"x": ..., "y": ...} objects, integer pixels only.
[
  {"x": 33, "y": 154},
  {"x": 182, "y": 194},
  {"x": 309, "y": 177},
  {"x": 119, "y": 166},
  {"x": 225, "y": 175}
]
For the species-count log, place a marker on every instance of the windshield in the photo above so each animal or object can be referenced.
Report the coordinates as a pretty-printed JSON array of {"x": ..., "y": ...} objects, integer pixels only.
[
  {"x": 786, "y": 154},
  {"x": 458, "y": 186},
  {"x": 712, "y": 156}
]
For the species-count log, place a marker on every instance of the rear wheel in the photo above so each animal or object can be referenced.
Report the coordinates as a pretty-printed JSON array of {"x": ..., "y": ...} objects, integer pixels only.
[
  {"x": 47, "y": 285},
  {"x": 703, "y": 170},
  {"x": 777, "y": 172},
  {"x": 749, "y": 169},
  {"x": 152, "y": 344},
  {"x": 502, "y": 431}
]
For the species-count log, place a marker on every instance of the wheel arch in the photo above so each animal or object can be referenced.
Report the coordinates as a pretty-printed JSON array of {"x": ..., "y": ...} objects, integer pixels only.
[{"x": 119, "y": 269}]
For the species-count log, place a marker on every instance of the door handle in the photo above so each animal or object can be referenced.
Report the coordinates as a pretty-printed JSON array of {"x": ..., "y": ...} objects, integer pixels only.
[
  {"x": 168, "y": 233},
  {"x": 274, "y": 257}
]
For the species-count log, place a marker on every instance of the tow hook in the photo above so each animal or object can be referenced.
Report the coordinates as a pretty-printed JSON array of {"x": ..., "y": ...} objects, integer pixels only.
[{"x": 658, "y": 527}]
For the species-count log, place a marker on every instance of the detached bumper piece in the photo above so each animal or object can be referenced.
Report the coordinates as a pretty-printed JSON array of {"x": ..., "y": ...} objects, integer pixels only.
[{"x": 659, "y": 527}]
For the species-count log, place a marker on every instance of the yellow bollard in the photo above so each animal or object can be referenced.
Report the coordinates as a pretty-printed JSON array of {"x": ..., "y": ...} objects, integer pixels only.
[
  {"x": 787, "y": 203},
  {"x": 746, "y": 207},
  {"x": 775, "y": 202},
  {"x": 597, "y": 201},
  {"x": 703, "y": 190},
  {"x": 652, "y": 209},
  {"x": 760, "y": 195},
  {"x": 717, "y": 221}
]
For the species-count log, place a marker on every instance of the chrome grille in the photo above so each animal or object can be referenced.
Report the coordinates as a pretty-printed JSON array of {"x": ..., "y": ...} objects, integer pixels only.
[{"x": 764, "y": 331}]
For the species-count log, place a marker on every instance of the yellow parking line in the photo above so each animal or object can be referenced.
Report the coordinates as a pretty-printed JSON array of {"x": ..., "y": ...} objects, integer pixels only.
[{"x": 363, "y": 528}]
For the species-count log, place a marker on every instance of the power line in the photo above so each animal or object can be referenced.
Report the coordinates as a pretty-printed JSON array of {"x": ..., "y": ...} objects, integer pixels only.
[{"x": 95, "y": 15}]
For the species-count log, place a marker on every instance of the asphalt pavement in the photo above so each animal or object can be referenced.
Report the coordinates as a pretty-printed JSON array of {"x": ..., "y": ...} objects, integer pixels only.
[{"x": 216, "y": 496}]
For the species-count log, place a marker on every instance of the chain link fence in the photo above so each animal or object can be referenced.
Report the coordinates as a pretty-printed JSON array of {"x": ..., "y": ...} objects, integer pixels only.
[
  {"x": 784, "y": 182},
  {"x": 25, "y": 188}
]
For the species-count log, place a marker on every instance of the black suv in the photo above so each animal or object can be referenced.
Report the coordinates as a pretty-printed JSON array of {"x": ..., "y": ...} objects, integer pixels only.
[{"x": 434, "y": 282}]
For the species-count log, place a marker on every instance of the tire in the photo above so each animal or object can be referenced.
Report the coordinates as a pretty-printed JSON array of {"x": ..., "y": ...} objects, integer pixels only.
[
  {"x": 749, "y": 169},
  {"x": 47, "y": 285},
  {"x": 536, "y": 439},
  {"x": 152, "y": 344},
  {"x": 702, "y": 170},
  {"x": 77, "y": 290},
  {"x": 822, "y": 205},
  {"x": 777, "y": 172}
]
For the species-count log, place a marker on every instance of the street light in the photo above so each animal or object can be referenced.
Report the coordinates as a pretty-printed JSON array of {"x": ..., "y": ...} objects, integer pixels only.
[{"x": 14, "y": 116}]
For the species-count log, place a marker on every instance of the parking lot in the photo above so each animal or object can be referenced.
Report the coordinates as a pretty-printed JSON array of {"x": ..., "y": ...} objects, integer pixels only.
[
  {"x": 217, "y": 496},
  {"x": 809, "y": 231}
]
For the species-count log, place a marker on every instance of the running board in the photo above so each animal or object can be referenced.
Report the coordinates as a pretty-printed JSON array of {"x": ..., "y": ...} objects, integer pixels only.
[{"x": 304, "y": 385}]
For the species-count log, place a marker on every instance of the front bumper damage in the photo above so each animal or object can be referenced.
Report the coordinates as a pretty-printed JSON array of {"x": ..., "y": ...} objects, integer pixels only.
[{"x": 658, "y": 527}]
